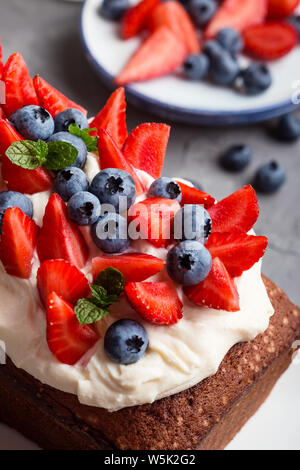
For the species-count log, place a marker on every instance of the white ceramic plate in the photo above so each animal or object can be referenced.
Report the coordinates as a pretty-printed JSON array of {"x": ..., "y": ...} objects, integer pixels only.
[{"x": 175, "y": 98}]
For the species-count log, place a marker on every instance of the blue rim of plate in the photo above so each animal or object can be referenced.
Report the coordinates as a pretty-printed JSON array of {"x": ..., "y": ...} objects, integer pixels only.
[{"x": 186, "y": 115}]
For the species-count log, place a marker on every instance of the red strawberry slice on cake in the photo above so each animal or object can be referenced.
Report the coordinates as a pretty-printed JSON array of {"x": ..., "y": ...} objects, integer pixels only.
[
  {"x": 237, "y": 14},
  {"x": 18, "y": 241},
  {"x": 145, "y": 147},
  {"x": 238, "y": 251},
  {"x": 112, "y": 118},
  {"x": 153, "y": 218},
  {"x": 135, "y": 18},
  {"x": 67, "y": 339},
  {"x": 51, "y": 99},
  {"x": 134, "y": 266},
  {"x": 161, "y": 53},
  {"x": 175, "y": 17},
  {"x": 18, "y": 84},
  {"x": 217, "y": 291},
  {"x": 278, "y": 9},
  {"x": 192, "y": 195},
  {"x": 59, "y": 237},
  {"x": 66, "y": 280},
  {"x": 235, "y": 213},
  {"x": 156, "y": 302}
]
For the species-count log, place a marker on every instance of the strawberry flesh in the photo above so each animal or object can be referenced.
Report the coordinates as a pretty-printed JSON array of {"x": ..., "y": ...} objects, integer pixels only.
[
  {"x": 192, "y": 195},
  {"x": 135, "y": 18},
  {"x": 278, "y": 9}
]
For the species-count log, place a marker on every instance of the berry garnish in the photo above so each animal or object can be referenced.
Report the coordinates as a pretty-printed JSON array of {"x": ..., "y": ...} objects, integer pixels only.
[
  {"x": 76, "y": 142},
  {"x": 224, "y": 68},
  {"x": 287, "y": 128},
  {"x": 69, "y": 181},
  {"x": 110, "y": 233},
  {"x": 165, "y": 187},
  {"x": 236, "y": 158},
  {"x": 33, "y": 122},
  {"x": 256, "y": 79},
  {"x": 84, "y": 208},
  {"x": 192, "y": 222},
  {"x": 114, "y": 187},
  {"x": 136, "y": 17},
  {"x": 202, "y": 11},
  {"x": 269, "y": 178},
  {"x": 9, "y": 199},
  {"x": 126, "y": 341},
  {"x": 192, "y": 195},
  {"x": 278, "y": 9},
  {"x": 196, "y": 66},
  {"x": 230, "y": 40},
  {"x": 70, "y": 116}
]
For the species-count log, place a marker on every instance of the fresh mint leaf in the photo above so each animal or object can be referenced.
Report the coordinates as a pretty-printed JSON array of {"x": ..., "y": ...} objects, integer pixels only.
[
  {"x": 41, "y": 151},
  {"x": 88, "y": 313},
  {"x": 24, "y": 154},
  {"x": 112, "y": 280},
  {"x": 84, "y": 134},
  {"x": 101, "y": 298},
  {"x": 60, "y": 155}
]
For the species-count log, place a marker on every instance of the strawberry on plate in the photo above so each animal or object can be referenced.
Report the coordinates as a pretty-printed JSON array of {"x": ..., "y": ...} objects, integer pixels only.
[
  {"x": 153, "y": 219},
  {"x": 2, "y": 113},
  {"x": 135, "y": 18},
  {"x": 175, "y": 17},
  {"x": 237, "y": 14},
  {"x": 146, "y": 146},
  {"x": 135, "y": 267},
  {"x": 235, "y": 213},
  {"x": 270, "y": 41},
  {"x": 278, "y": 9},
  {"x": 192, "y": 195},
  {"x": 217, "y": 291},
  {"x": 60, "y": 238},
  {"x": 238, "y": 251},
  {"x": 67, "y": 339},
  {"x": 156, "y": 302},
  {"x": 161, "y": 53},
  {"x": 112, "y": 118},
  {"x": 18, "y": 240},
  {"x": 51, "y": 99},
  {"x": 66, "y": 280},
  {"x": 18, "y": 84}
]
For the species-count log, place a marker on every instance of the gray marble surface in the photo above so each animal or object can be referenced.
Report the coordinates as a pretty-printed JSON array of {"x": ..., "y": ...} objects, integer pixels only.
[{"x": 46, "y": 32}]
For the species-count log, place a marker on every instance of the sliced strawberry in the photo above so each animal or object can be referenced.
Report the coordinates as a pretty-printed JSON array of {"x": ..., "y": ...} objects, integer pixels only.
[
  {"x": 19, "y": 234},
  {"x": 237, "y": 14},
  {"x": 2, "y": 113},
  {"x": 175, "y": 17},
  {"x": 238, "y": 251},
  {"x": 59, "y": 237},
  {"x": 18, "y": 84},
  {"x": 135, "y": 18},
  {"x": 217, "y": 291},
  {"x": 146, "y": 147},
  {"x": 278, "y": 9},
  {"x": 161, "y": 53},
  {"x": 134, "y": 266},
  {"x": 51, "y": 99},
  {"x": 270, "y": 41},
  {"x": 157, "y": 302},
  {"x": 235, "y": 213},
  {"x": 8, "y": 135},
  {"x": 66, "y": 280},
  {"x": 110, "y": 156},
  {"x": 153, "y": 218},
  {"x": 192, "y": 195},
  {"x": 112, "y": 118},
  {"x": 67, "y": 339}
]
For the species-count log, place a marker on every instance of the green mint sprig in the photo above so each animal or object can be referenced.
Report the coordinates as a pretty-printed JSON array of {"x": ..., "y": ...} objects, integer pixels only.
[
  {"x": 105, "y": 291},
  {"x": 84, "y": 134}
]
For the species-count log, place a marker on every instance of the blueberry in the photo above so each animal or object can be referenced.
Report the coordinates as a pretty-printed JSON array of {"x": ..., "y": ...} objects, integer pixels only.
[
  {"x": 112, "y": 184},
  {"x": 84, "y": 208},
  {"x": 63, "y": 120},
  {"x": 196, "y": 66},
  {"x": 192, "y": 222},
  {"x": 126, "y": 341},
  {"x": 256, "y": 79},
  {"x": 70, "y": 181},
  {"x": 114, "y": 9},
  {"x": 287, "y": 128},
  {"x": 230, "y": 40},
  {"x": 223, "y": 69},
  {"x": 10, "y": 199},
  {"x": 165, "y": 187},
  {"x": 188, "y": 263},
  {"x": 110, "y": 233},
  {"x": 202, "y": 11},
  {"x": 236, "y": 157},
  {"x": 295, "y": 21},
  {"x": 269, "y": 178},
  {"x": 213, "y": 49},
  {"x": 33, "y": 122},
  {"x": 76, "y": 142}
]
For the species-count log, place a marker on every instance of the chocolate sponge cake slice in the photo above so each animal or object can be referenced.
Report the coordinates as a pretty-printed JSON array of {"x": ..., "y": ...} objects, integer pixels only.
[{"x": 206, "y": 416}]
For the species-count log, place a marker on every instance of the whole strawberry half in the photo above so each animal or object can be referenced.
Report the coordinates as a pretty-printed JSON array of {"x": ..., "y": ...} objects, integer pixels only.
[
  {"x": 135, "y": 18},
  {"x": 192, "y": 195},
  {"x": 67, "y": 339},
  {"x": 156, "y": 302}
]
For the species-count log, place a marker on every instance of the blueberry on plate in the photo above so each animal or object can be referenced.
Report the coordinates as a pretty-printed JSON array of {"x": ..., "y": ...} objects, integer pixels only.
[
  {"x": 202, "y": 11},
  {"x": 231, "y": 40},
  {"x": 236, "y": 158},
  {"x": 269, "y": 178},
  {"x": 76, "y": 142},
  {"x": 196, "y": 66},
  {"x": 70, "y": 181},
  {"x": 287, "y": 128},
  {"x": 69, "y": 116},
  {"x": 84, "y": 208},
  {"x": 126, "y": 341},
  {"x": 224, "y": 68},
  {"x": 213, "y": 49},
  {"x": 114, "y": 9},
  {"x": 192, "y": 222},
  {"x": 10, "y": 199},
  {"x": 33, "y": 122},
  {"x": 165, "y": 187},
  {"x": 110, "y": 233},
  {"x": 188, "y": 263},
  {"x": 114, "y": 187},
  {"x": 256, "y": 79}
]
